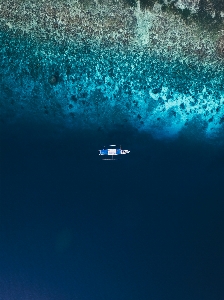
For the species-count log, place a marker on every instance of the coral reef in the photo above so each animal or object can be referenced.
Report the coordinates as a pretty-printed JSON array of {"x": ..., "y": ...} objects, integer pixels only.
[
  {"x": 220, "y": 46},
  {"x": 99, "y": 64}
]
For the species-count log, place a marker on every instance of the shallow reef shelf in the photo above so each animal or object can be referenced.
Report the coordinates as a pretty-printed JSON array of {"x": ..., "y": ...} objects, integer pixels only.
[{"x": 108, "y": 65}]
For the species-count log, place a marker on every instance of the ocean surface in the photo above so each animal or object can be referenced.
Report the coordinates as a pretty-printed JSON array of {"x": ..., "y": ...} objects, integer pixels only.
[{"x": 148, "y": 226}]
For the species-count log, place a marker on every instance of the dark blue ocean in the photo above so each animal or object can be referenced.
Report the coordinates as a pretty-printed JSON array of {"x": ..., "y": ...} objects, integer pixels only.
[{"x": 148, "y": 226}]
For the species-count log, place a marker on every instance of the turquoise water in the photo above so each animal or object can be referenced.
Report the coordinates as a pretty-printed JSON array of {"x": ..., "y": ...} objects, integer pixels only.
[
  {"x": 146, "y": 226},
  {"x": 87, "y": 86}
]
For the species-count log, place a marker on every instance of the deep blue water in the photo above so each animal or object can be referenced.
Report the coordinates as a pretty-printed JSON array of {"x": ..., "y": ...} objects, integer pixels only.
[{"x": 148, "y": 226}]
